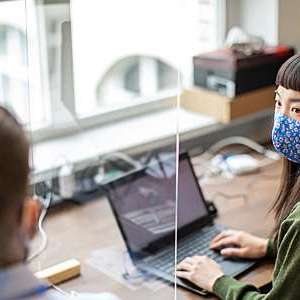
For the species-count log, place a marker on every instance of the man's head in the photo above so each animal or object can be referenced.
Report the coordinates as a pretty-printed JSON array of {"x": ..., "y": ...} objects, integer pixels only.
[{"x": 18, "y": 214}]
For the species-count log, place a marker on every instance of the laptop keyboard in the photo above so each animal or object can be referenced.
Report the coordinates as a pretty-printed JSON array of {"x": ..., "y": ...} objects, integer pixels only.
[{"x": 196, "y": 244}]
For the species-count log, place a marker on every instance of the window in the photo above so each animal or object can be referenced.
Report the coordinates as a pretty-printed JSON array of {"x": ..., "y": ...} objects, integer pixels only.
[
  {"x": 106, "y": 41},
  {"x": 13, "y": 61},
  {"x": 134, "y": 80},
  {"x": 15, "y": 87},
  {"x": 90, "y": 63}
]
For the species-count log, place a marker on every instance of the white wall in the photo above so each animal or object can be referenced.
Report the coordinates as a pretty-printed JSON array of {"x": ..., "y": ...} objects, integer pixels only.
[
  {"x": 257, "y": 17},
  {"x": 277, "y": 21},
  {"x": 233, "y": 8},
  {"x": 289, "y": 22}
]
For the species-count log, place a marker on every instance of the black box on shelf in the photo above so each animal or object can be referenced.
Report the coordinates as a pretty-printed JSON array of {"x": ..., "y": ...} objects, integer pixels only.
[{"x": 231, "y": 73}]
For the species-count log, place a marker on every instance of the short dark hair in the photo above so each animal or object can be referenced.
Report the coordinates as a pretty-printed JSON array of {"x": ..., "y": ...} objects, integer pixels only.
[
  {"x": 14, "y": 164},
  {"x": 288, "y": 75}
]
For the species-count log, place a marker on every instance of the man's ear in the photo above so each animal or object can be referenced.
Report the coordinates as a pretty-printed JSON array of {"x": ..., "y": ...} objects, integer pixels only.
[{"x": 30, "y": 216}]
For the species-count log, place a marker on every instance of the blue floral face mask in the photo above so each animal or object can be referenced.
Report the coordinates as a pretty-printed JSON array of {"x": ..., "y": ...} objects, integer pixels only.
[{"x": 286, "y": 137}]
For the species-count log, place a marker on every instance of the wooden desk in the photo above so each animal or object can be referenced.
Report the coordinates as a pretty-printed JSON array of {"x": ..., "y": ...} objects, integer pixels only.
[{"x": 75, "y": 231}]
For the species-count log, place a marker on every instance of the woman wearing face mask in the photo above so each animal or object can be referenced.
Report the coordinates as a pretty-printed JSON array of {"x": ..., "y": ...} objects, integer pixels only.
[{"x": 284, "y": 245}]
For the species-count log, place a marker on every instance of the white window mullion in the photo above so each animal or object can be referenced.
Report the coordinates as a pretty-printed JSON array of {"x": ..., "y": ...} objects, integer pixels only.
[{"x": 148, "y": 76}]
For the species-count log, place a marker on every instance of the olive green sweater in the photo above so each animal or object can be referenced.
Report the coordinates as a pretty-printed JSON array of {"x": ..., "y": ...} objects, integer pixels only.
[{"x": 286, "y": 276}]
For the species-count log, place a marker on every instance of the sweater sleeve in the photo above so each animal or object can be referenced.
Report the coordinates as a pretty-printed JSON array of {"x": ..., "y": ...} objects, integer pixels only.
[
  {"x": 271, "y": 252},
  {"x": 286, "y": 274}
]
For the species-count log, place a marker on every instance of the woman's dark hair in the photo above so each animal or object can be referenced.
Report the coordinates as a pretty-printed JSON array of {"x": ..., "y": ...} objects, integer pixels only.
[{"x": 289, "y": 192}]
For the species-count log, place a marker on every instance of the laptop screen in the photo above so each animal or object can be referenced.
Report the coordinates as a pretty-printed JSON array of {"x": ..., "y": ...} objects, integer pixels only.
[{"x": 144, "y": 202}]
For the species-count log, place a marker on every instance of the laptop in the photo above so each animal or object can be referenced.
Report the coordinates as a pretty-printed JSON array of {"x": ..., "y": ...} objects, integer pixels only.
[{"x": 143, "y": 203}]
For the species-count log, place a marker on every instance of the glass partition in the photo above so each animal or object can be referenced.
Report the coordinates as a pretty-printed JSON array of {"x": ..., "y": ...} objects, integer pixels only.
[
  {"x": 103, "y": 89},
  {"x": 104, "y": 160}
]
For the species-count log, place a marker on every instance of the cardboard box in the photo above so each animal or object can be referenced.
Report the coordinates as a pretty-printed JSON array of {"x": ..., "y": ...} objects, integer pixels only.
[{"x": 225, "y": 109}]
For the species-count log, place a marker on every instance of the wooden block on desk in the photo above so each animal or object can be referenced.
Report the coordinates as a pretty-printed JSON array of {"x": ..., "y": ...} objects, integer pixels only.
[{"x": 60, "y": 272}]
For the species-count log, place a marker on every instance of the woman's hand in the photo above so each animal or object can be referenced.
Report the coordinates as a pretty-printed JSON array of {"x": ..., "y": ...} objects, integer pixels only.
[
  {"x": 235, "y": 243},
  {"x": 200, "y": 270}
]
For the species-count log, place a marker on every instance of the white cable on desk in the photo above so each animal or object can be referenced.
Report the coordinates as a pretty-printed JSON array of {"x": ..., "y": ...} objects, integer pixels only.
[
  {"x": 41, "y": 230},
  {"x": 209, "y": 156},
  {"x": 215, "y": 148}
]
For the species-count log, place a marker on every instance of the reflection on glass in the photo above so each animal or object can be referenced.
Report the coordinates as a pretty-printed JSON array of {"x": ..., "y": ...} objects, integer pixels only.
[{"x": 144, "y": 203}]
